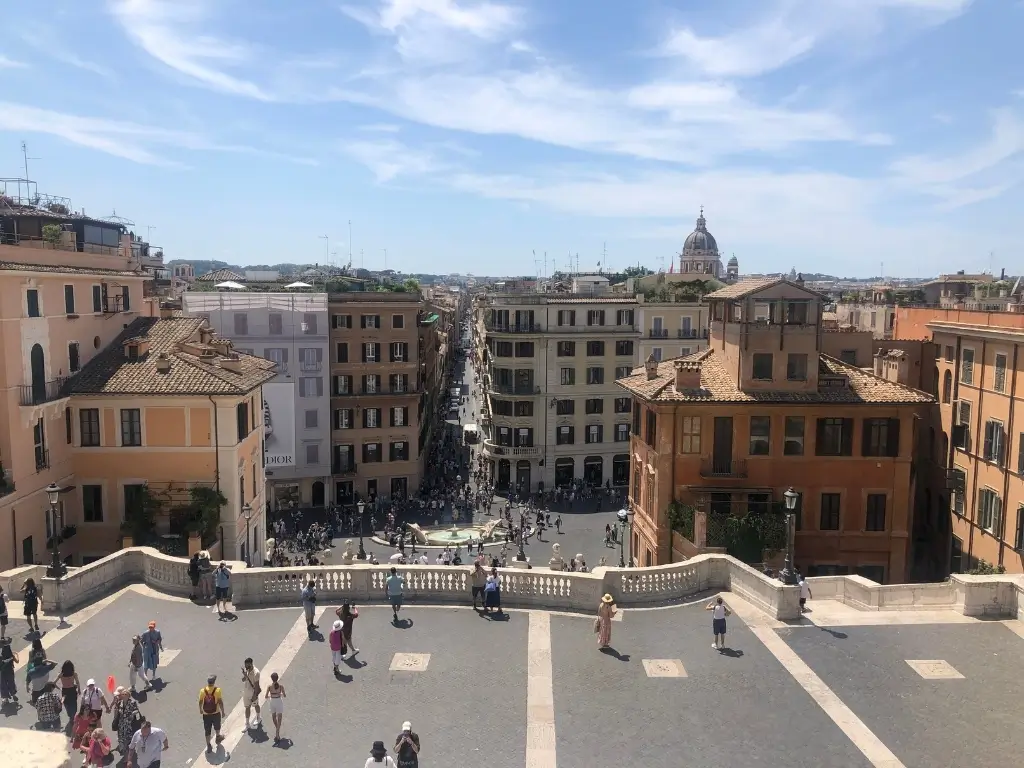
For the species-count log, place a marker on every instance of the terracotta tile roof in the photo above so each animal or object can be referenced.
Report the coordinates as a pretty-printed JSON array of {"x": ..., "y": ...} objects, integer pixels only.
[
  {"x": 719, "y": 386},
  {"x": 112, "y": 373},
  {"x": 69, "y": 270},
  {"x": 220, "y": 276},
  {"x": 746, "y": 288}
]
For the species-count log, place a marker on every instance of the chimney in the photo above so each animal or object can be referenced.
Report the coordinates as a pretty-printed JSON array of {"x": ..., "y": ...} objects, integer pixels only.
[
  {"x": 800, "y": 279},
  {"x": 205, "y": 334},
  {"x": 231, "y": 362},
  {"x": 163, "y": 363},
  {"x": 687, "y": 376},
  {"x": 651, "y": 367}
]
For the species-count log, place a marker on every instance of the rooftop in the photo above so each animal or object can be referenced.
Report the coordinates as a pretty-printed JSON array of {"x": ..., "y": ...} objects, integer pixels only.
[
  {"x": 719, "y": 386},
  {"x": 220, "y": 276},
  {"x": 745, "y": 288},
  {"x": 193, "y": 366},
  {"x": 15, "y": 266}
]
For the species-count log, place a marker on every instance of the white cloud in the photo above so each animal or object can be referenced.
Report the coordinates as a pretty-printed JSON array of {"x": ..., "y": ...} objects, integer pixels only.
[
  {"x": 747, "y": 52},
  {"x": 389, "y": 159},
  {"x": 380, "y": 128},
  {"x": 47, "y": 40},
  {"x": 6, "y": 63}
]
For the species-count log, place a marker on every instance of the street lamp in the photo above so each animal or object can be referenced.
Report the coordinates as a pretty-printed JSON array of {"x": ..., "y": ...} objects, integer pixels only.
[
  {"x": 247, "y": 514},
  {"x": 521, "y": 555},
  {"x": 56, "y": 569},
  {"x": 362, "y": 552},
  {"x": 623, "y": 517},
  {"x": 789, "y": 572}
]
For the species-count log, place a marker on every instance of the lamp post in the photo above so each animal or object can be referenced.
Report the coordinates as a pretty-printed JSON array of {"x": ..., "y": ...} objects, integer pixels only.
[
  {"x": 789, "y": 572},
  {"x": 247, "y": 514},
  {"x": 521, "y": 555},
  {"x": 623, "y": 517},
  {"x": 56, "y": 569},
  {"x": 362, "y": 552}
]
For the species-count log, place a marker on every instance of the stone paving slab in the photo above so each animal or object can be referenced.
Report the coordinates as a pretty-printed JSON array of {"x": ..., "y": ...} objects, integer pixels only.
[
  {"x": 468, "y": 705},
  {"x": 947, "y": 721},
  {"x": 739, "y": 708}
]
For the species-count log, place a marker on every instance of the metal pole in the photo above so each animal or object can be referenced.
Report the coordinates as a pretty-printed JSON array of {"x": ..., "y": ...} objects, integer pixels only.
[
  {"x": 248, "y": 545},
  {"x": 56, "y": 566},
  {"x": 622, "y": 535},
  {"x": 788, "y": 571},
  {"x": 362, "y": 552}
]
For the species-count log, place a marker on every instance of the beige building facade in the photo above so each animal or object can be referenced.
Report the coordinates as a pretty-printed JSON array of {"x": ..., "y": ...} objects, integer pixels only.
[{"x": 672, "y": 329}]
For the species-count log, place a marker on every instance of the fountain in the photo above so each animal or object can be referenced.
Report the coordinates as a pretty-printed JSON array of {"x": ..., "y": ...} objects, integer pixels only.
[{"x": 440, "y": 536}]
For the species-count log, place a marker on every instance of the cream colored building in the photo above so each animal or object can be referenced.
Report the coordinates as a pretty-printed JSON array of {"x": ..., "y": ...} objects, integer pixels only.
[
  {"x": 672, "y": 329},
  {"x": 554, "y": 414}
]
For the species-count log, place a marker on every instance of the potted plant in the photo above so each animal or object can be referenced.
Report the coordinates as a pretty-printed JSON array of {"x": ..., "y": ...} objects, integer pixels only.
[{"x": 52, "y": 234}]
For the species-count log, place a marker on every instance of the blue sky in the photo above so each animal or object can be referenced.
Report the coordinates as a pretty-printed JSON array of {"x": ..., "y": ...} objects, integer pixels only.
[{"x": 464, "y": 135}]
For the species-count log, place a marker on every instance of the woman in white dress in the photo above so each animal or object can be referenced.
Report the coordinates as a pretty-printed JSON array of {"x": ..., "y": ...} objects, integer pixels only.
[{"x": 275, "y": 700}]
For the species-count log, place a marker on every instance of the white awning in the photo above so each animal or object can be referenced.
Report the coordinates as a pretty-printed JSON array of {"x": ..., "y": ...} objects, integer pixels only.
[
  {"x": 231, "y": 284},
  {"x": 298, "y": 284}
]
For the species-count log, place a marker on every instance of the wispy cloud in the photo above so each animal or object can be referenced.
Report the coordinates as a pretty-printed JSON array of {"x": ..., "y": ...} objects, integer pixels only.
[
  {"x": 388, "y": 159},
  {"x": 6, "y": 63},
  {"x": 48, "y": 42},
  {"x": 380, "y": 128}
]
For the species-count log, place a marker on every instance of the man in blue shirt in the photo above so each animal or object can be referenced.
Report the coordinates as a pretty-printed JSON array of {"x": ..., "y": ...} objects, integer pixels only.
[
  {"x": 393, "y": 587},
  {"x": 222, "y": 584}
]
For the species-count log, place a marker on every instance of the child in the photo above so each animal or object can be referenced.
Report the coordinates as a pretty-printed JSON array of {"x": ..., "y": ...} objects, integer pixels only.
[{"x": 96, "y": 747}]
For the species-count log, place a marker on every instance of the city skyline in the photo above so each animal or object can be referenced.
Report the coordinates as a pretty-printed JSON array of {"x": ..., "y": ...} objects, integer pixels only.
[{"x": 825, "y": 140}]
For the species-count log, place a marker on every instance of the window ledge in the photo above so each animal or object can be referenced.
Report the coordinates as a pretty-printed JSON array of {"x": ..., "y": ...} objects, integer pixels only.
[{"x": 72, "y": 315}]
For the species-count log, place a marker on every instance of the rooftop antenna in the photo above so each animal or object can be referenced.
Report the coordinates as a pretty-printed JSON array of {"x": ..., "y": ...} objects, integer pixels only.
[
  {"x": 327, "y": 246},
  {"x": 385, "y": 259},
  {"x": 350, "y": 241},
  {"x": 545, "y": 263},
  {"x": 26, "y": 158},
  {"x": 149, "y": 230}
]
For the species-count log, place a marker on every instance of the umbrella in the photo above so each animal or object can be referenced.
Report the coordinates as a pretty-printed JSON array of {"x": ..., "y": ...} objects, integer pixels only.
[
  {"x": 298, "y": 284},
  {"x": 231, "y": 284}
]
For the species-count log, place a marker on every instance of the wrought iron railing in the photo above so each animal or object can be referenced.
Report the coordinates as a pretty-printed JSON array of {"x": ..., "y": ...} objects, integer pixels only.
[{"x": 42, "y": 391}]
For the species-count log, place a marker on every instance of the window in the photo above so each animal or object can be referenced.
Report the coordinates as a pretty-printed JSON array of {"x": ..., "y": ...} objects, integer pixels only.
[
  {"x": 567, "y": 317},
  {"x": 32, "y": 301},
  {"x": 796, "y": 312},
  {"x": 341, "y": 321},
  {"x": 595, "y": 349},
  {"x": 312, "y": 419},
  {"x": 793, "y": 440},
  {"x": 656, "y": 354},
  {"x": 398, "y": 321},
  {"x": 241, "y": 420},
  {"x": 624, "y": 317},
  {"x": 947, "y": 386},
  {"x": 874, "y": 518},
  {"x": 501, "y": 407},
  {"x": 967, "y": 366},
  {"x": 399, "y": 416},
  {"x": 39, "y": 445},
  {"x": 369, "y": 321},
  {"x": 131, "y": 427},
  {"x": 276, "y": 324},
  {"x": 622, "y": 371},
  {"x": 652, "y": 428},
  {"x": 568, "y": 407},
  {"x": 948, "y": 353},
  {"x": 594, "y": 405},
  {"x": 312, "y": 453},
  {"x": 848, "y": 356},
  {"x": 372, "y": 453},
  {"x": 999, "y": 375},
  {"x": 399, "y": 351},
  {"x": 343, "y": 418},
  {"x": 990, "y": 510},
  {"x": 568, "y": 376},
  {"x": 97, "y": 299},
  {"x": 311, "y": 386},
  {"x": 278, "y": 355},
  {"x": 796, "y": 367},
  {"x": 594, "y": 434},
  {"x": 341, "y": 352},
  {"x": 595, "y": 317},
  {"x": 1018, "y": 537},
  {"x": 69, "y": 299},
  {"x": 566, "y": 348},
  {"x": 74, "y": 361},
  {"x": 503, "y": 348},
  {"x": 505, "y": 436},
  {"x": 595, "y": 375},
  {"x": 763, "y": 366},
  {"x": 398, "y": 382},
  {"x": 760, "y": 435},
  {"x": 963, "y": 425},
  {"x": 881, "y": 437},
  {"x": 524, "y": 408},
  {"x": 524, "y": 437},
  {"x": 92, "y": 503},
  {"x": 311, "y": 358},
  {"x": 371, "y": 352},
  {"x": 622, "y": 405},
  {"x": 565, "y": 436},
  {"x": 624, "y": 348},
  {"x": 371, "y": 418},
  {"x": 524, "y": 349},
  {"x": 684, "y": 351},
  {"x": 636, "y": 418},
  {"x": 399, "y": 451},
  {"x": 342, "y": 385},
  {"x": 829, "y": 512},
  {"x": 622, "y": 433},
  {"x": 89, "y": 426},
  {"x": 995, "y": 441},
  {"x": 835, "y": 437},
  {"x": 241, "y": 324},
  {"x": 691, "y": 435},
  {"x": 67, "y": 425}
]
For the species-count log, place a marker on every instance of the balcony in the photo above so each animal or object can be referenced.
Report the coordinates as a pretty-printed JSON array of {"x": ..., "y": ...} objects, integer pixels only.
[
  {"x": 41, "y": 392},
  {"x": 722, "y": 468},
  {"x": 42, "y": 459},
  {"x": 692, "y": 333},
  {"x": 512, "y": 389},
  {"x": 509, "y": 451},
  {"x": 343, "y": 468},
  {"x": 657, "y": 333},
  {"x": 310, "y": 366},
  {"x": 601, "y": 329},
  {"x": 514, "y": 328}
]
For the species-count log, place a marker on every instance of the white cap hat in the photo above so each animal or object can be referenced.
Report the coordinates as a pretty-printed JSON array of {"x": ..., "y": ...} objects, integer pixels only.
[
  {"x": 406, "y": 726},
  {"x": 90, "y": 681}
]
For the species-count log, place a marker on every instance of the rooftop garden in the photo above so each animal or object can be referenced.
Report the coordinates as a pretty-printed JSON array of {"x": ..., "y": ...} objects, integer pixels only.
[{"x": 678, "y": 292}]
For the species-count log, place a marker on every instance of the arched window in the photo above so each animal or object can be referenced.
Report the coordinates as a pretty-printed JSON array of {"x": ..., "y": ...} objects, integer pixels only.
[
  {"x": 947, "y": 386},
  {"x": 38, "y": 364}
]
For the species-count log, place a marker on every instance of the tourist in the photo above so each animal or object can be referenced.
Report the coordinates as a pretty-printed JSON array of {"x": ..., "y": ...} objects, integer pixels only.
[
  {"x": 30, "y": 595},
  {"x": 805, "y": 593},
  {"x": 439, "y": 560},
  {"x": 379, "y": 757},
  {"x": 308, "y": 597},
  {"x": 251, "y": 691},
  {"x": 205, "y": 575},
  {"x": 3, "y": 613},
  {"x": 48, "y": 706},
  {"x": 195, "y": 572},
  {"x": 558, "y": 524},
  {"x": 69, "y": 688},
  {"x": 95, "y": 699},
  {"x": 348, "y": 615},
  {"x": 276, "y": 696},
  {"x": 407, "y": 747},
  {"x": 82, "y": 725},
  {"x": 135, "y": 661},
  {"x": 8, "y": 682},
  {"x": 127, "y": 718},
  {"x": 37, "y": 675},
  {"x": 147, "y": 747},
  {"x": 492, "y": 592},
  {"x": 719, "y": 611},
  {"x": 211, "y": 707},
  {"x": 337, "y": 643},
  {"x": 603, "y": 623},
  {"x": 152, "y": 646},
  {"x": 222, "y": 587},
  {"x": 479, "y": 581},
  {"x": 96, "y": 748},
  {"x": 423, "y": 559},
  {"x": 393, "y": 588}
]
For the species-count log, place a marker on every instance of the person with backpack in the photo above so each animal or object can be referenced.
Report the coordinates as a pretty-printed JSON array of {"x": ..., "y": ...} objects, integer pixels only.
[{"x": 211, "y": 707}]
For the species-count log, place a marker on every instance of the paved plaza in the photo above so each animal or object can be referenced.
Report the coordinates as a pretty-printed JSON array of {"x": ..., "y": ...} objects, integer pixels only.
[{"x": 531, "y": 688}]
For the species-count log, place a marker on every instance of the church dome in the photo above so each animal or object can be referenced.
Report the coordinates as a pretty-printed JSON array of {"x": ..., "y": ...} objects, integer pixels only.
[
  {"x": 734, "y": 262},
  {"x": 700, "y": 239}
]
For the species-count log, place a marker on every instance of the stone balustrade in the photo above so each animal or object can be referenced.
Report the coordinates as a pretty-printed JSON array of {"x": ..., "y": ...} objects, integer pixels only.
[{"x": 531, "y": 588}]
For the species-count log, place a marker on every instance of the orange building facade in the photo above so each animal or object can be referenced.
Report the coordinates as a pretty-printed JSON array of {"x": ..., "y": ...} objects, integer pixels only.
[{"x": 728, "y": 430}]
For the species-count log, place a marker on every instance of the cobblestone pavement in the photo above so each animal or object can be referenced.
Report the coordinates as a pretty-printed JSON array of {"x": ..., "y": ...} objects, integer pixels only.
[{"x": 532, "y": 689}]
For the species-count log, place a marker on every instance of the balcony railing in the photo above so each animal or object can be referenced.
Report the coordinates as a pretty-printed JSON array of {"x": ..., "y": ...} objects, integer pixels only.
[
  {"x": 723, "y": 468},
  {"x": 310, "y": 366},
  {"x": 657, "y": 333},
  {"x": 693, "y": 333},
  {"x": 513, "y": 389},
  {"x": 492, "y": 448},
  {"x": 602, "y": 329},
  {"x": 343, "y": 468},
  {"x": 42, "y": 459},
  {"x": 42, "y": 392},
  {"x": 514, "y": 327}
]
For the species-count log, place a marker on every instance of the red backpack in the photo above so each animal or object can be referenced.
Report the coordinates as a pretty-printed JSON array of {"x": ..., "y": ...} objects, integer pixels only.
[{"x": 209, "y": 701}]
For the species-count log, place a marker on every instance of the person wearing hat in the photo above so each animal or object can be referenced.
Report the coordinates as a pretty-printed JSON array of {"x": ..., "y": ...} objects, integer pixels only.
[
  {"x": 337, "y": 643},
  {"x": 152, "y": 646},
  {"x": 211, "y": 707},
  {"x": 603, "y": 622},
  {"x": 379, "y": 757},
  {"x": 407, "y": 747},
  {"x": 94, "y": 699}
]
